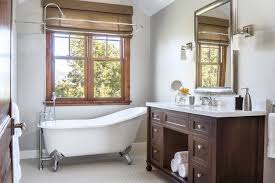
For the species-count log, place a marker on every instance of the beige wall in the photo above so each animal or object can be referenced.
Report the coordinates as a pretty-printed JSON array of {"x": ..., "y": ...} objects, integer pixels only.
[
  {"x": 31, "y": 74},
  {"x": 173, "y": 27}
]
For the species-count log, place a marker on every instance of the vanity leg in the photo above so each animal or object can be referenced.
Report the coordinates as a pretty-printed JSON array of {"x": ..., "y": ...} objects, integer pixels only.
[{"x": 149, "y": 168}]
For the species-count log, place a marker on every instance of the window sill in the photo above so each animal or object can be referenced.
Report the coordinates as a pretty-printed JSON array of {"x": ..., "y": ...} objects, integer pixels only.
[{"x": 87, "y": 102}]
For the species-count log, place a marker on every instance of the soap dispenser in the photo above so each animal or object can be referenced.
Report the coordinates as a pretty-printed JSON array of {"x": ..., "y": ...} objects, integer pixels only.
[{"x": 247, "y": 104}]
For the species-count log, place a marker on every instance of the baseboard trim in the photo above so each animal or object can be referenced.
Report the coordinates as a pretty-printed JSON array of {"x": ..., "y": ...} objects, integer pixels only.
[{"x": 32, "y": 154}]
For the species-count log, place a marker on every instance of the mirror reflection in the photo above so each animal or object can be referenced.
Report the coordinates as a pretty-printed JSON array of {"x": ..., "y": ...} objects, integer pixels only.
[{"x": 213, "y": 48}]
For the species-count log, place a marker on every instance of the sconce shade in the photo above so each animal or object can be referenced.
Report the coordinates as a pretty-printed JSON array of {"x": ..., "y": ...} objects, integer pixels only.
[
  {"x": 183, "y": 53},
  {"x": 236, "y": 42}
]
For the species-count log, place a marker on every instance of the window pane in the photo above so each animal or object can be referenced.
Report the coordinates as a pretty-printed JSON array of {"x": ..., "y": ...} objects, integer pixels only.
[
  {"x": 69, "y": 78},
  {"x": 99, "y": 47},
  {"x": 210, "y": 75},
  {"x": 210, "y": 54},
  {"x": 113, "y": 49},
  {"x": 61, "y": 46},
  {"x": 77, "y": 47},
  {"x": 205, "y": 52},
  {"x": 107, "y": 79},
  {"x": 214, "y": 54}
]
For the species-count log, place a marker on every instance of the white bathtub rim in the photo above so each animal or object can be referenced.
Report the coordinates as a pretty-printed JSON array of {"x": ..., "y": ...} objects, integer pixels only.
[{"x": 93, "y": 123}]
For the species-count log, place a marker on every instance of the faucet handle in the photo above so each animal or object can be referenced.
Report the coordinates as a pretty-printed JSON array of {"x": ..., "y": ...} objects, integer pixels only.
[
  {"x": 204, "y": 99},
  {"x": 214, "y": 101}
]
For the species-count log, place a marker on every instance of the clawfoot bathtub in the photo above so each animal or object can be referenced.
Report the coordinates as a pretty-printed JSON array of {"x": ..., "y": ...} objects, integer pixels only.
[{"x": 112, "y": 133}]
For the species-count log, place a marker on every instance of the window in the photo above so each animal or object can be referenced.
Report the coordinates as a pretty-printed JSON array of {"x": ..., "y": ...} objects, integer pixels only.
[
  {"x": 84, "y": 70},
  {"x": 212, "y": 63}
]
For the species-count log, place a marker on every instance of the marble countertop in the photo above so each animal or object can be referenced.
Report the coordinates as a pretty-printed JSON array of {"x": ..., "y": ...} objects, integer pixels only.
[{"x": 217, "y": 112}]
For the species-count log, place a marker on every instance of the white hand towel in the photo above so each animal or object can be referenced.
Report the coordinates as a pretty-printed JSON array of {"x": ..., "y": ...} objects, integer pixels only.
[
  {"x": 174, "y": 165},
  {"x": 181, "y": 157},
  {"x": 15, "y": 141},
  {"x": 271, "y": 136},
  {"x": 183, "y": 170}
]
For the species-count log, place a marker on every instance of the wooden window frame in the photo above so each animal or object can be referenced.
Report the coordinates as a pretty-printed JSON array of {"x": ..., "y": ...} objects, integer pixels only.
[
  {"x": 222, "y": 64},
  {"x": 89, "y": 98}
]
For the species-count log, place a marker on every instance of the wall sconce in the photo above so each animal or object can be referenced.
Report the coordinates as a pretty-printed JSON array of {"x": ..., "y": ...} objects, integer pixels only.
[
  {"x": 184, "y": 49},
  {"x": 246, "y": 31}
]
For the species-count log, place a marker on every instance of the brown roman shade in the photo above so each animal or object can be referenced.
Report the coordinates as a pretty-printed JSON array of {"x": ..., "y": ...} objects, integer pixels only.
[
  {"x": 214, "y": 30},
  {"x": 76, "y": 9}
]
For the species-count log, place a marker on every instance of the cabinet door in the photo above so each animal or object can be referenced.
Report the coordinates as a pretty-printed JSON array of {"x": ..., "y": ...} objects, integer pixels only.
[
  {"x": 198, "y": 174},
  {"x": 200, "y": 150},
  {"x": 156, "y": 134}
]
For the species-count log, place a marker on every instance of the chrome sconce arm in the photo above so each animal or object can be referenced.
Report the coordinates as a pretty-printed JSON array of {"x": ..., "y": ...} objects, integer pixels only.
[
  {"x": 247, "y": 31},
  {"x": 188, "y": 46}
]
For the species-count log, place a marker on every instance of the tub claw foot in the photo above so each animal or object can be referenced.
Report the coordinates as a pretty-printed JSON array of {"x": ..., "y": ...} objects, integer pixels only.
[
  {"x": 41, "y": 167},
  {"x": 128, "y": 158},
  {"x": 126, "y": 154},
  {"x": 56, "y": 157}
]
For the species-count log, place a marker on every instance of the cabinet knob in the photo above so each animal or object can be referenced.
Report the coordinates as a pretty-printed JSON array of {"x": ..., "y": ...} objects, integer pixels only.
[
  {"x": 155, "y": 130},
  {"x": 155, "y": 151},
  {"x": 199, "y": 175},
  {"x": 200, "y": 147}
]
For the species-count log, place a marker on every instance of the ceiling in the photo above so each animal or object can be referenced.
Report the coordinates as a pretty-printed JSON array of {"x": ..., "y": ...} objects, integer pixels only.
[{"x": 149, "y": 7}]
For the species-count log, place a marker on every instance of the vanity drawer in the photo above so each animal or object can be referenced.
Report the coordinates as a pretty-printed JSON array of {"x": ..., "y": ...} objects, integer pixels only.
[
  {"x": 176, "y": 120},
  {"x": 156, "y": 115},
  {"x": 200, "y": 150},
  {"x": 156, "y": 134},
  {"x": 198, "y": 174},
  {"x": 200, "y": 125},
  {"x": 156, "y": 155}
]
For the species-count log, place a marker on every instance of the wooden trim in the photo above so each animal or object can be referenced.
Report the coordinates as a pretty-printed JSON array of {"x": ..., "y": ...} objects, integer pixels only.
[
  {"x": 89, "y": 98},
  {"x": 49, "y": 68},
  {"x": 223, "y": 54},
  {"x": 90, "y": 71},
  {"x": 126, "y": 65},
  {"x": 88, "y": 102},
  {"x": 91, "y": 6}
]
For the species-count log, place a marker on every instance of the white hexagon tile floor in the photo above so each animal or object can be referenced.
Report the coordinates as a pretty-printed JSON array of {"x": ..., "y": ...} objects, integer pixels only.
[{"x": 94, "y": 170}]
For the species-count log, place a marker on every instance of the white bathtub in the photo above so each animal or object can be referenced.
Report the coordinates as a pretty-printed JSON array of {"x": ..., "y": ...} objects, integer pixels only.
[{"x": 108, "y": 134}]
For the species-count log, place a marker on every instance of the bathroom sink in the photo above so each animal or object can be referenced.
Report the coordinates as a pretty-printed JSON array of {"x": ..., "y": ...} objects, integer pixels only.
[{"x": 189, "y": 106}]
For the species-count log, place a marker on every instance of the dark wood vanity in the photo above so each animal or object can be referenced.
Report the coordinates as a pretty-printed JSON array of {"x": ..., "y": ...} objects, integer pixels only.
[{"x": 221, "y": 150}]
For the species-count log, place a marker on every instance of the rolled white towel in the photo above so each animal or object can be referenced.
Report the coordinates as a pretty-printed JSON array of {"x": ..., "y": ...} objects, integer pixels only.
[
  {"x": 181, "y": 157},
  {"x": 174, "y": 165},
  {"x": 183, "y": 170}
]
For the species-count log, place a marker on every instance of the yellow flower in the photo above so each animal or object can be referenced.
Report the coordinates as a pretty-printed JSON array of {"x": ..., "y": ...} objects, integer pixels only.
[{"x": 184, "y": 91}]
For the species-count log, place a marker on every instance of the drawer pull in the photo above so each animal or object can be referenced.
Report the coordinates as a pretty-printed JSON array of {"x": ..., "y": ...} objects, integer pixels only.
[
  {"x": 155, "y": 130},
  {"x": 199, "y": 175},
  {"x": 155, "y": 116},
  {"x": 200, "y": 147},
  {"x": 155, "y": 151}
]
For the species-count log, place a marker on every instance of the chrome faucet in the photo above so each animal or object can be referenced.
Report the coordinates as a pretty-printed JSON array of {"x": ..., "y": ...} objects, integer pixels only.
[{"x": 210, "y": 101}]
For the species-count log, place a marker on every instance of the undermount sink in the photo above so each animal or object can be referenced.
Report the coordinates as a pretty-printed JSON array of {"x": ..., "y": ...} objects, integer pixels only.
[{"x": 187, "y": 105}]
